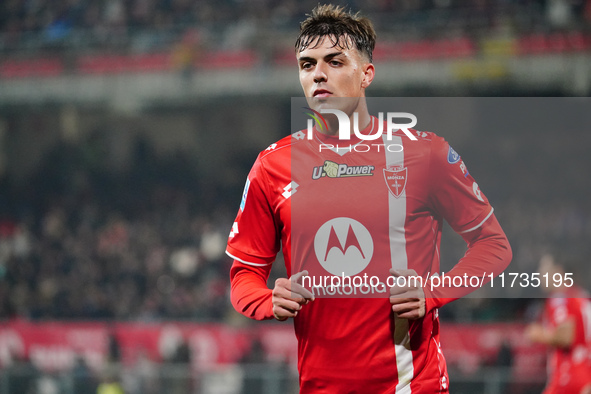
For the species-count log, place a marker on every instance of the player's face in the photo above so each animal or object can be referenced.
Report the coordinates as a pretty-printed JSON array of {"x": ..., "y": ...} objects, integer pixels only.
[{"x": 332, "y": 71}]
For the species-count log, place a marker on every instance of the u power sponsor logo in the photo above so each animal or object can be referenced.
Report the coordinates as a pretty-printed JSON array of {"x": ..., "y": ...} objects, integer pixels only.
[
  {"x": 331, "y": 169},
  {"x": 343, "y": 246}
]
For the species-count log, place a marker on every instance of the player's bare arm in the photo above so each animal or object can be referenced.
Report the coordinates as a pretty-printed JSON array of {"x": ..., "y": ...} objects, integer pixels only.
[
  {"x": 562, "y": 335},
  {"x": 289, "y": 296},
  {"x": 408, "y": 302}
]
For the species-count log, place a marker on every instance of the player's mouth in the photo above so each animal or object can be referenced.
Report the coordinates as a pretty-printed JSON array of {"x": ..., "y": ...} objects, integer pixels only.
[{"x": 322, "y": 93}]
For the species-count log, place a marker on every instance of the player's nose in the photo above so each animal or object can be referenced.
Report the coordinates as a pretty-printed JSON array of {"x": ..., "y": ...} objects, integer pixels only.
[{"x": 320, "y": 73}]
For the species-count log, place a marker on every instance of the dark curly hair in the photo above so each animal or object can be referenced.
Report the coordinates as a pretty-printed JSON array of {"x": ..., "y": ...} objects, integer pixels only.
[{"x": 343, "y": 29}]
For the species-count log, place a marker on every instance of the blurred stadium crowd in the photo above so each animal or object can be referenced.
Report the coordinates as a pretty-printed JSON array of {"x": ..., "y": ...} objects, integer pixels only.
[
  {"x": 141, "y": 25},
  {"x": 90, "y": 245}
]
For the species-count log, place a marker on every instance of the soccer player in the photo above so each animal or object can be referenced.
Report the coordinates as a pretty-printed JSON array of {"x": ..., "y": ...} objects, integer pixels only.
[
  {"x": 565, "y": 330},
  {"x": 377, "y": 212}
]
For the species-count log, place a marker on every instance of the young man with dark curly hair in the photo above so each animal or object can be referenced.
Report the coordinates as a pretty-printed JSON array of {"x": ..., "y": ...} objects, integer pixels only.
[{"x": 328, "y": 204}]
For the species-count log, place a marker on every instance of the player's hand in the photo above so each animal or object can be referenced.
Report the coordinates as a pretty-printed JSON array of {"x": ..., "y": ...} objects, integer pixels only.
[
  {"x": 408, "y": 302},
  {"x": 288, "y": 296},
  {"x": 562, "y": 335},
  {"x": 535, "y": 332}
]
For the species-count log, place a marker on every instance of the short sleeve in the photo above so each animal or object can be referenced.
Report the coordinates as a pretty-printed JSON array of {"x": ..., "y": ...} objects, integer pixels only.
[
  {"x": 454, "y": 193},
  {"x": 254, "y": 238}
]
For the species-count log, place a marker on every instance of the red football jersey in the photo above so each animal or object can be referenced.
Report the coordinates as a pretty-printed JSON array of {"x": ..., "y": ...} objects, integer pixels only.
[
  {"x": 569, "y": 369},
  {"x": 359, "y": 211}
]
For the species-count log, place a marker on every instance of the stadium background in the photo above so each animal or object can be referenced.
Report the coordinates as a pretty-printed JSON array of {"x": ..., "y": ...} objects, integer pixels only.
[{"x": 127, "y": 128}]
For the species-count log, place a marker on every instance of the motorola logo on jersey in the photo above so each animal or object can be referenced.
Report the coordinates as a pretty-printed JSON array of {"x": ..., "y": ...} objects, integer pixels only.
[{"x": 343, "y": 246}]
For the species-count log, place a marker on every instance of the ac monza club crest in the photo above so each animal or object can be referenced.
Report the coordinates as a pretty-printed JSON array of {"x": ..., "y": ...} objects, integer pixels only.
[{"x": 396, "y": 180}]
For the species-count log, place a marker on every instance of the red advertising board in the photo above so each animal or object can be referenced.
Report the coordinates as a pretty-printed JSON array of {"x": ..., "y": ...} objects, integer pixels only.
[{"x": 55, "y": 345}]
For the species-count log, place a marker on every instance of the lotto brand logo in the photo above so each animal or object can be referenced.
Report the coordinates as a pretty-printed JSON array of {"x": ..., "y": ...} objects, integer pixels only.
[
  {"x": 334, "y": 170},
  {"x": 343, "y": 246},
  {"x": 477, "y": 192},
  {"x": 234, "y": 230},
  {"x": 345, "y": 124},
  {"x": 290, "y": 189}
]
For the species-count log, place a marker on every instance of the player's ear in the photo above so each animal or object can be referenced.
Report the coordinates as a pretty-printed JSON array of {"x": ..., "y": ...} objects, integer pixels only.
[{"x": 369, "y": 72}]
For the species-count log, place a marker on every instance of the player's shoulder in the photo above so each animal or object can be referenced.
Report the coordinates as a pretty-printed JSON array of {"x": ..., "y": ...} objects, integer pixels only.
[
  {"x": 426, "y": 141},
  {"x": 277, "y": 149},
  {"x": 437, "y": 146},
  {"x": 280, "y": 151},
  {"x": 430, "y": 137},
  {"x": 423, "y": 136},
  {"x": 275, "y": 159}
]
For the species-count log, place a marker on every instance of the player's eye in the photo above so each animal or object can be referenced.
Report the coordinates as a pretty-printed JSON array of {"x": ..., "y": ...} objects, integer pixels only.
[
  {"x": 306, "y": 65},
  {"x": 335, "y": 63}
]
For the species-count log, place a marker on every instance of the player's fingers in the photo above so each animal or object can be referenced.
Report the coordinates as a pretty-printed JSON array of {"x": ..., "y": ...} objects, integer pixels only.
[
  {"x": 402, "y": 300},
  {"x": 405, "y": 292},
  {"x": 297, "y": 288},
  {"x": 282, "y": 314},
  {"x": 296, "y": 277},
  {"x": 409, "y": 290},
  {"x": 283, "y": 283},
  {"x": 283, "y": 305},
  {"x": 403, "y": 304},
  {"x": 410, "y": 315},
  {"x": 282, "y": 293},
  {"x": 403, "y": 272},
  {"x": 398, "y": 290},
  {"x": 286, "y": 289},
  {"x": 405, "y": 284},
  {"x": 286, "y": 304},
  {"x": 290, "y": 287},
  {"x": 408, "y": 310},
  {"x": 299, "y": 291},
  {"x": 406, "y": 305}
]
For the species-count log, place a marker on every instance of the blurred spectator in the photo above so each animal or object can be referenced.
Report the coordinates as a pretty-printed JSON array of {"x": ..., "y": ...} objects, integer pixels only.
[
  {"x": 21, "y": 375},
  {"x": 109, "y": 387},
  {"x": 256, "y": 358},
  {"x": 84, "y": 382},
  {"x": 180, "y": 379},
  {"x": 114, "y": 350},
  {"x": 147, "y": 25},
  {"x": 142, "y": 376}
]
